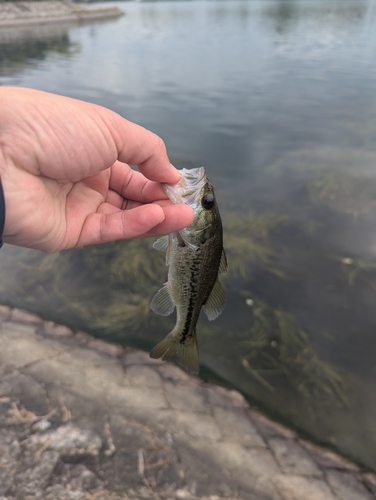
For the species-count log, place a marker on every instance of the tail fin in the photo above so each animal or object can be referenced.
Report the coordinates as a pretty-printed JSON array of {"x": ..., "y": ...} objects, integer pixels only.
[{"x": 184, "y": 353}]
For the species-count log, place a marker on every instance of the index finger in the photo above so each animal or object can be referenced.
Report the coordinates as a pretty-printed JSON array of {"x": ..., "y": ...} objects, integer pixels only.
[
  {"x": 139, "y": 146},
  {"x": 133, "y": 185}
]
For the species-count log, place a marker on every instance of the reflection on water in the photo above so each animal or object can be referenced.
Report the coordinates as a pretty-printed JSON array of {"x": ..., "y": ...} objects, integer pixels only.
[
  {"x": 22, "y": 47},
  {"x": 276, "y": 99}
]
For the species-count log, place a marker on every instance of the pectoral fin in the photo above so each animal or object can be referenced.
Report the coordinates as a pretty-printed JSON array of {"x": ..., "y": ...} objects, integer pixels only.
[
  {"x": 162, "y": 302},
  {"x": 216, "y": 301},
  {"x": 162, "y": 244}
]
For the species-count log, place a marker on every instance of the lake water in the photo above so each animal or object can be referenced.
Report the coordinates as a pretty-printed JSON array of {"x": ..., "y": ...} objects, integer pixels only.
[{"x": 277, "y": 99}]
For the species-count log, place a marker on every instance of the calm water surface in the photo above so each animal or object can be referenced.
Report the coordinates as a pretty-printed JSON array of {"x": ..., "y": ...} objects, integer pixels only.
[{"x": 277, "y": 100}]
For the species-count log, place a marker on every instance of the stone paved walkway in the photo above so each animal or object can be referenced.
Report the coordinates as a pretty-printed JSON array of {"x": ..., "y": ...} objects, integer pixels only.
[
  {"x": 43, "y": 12},
  {"x": 81, "y": 419}
]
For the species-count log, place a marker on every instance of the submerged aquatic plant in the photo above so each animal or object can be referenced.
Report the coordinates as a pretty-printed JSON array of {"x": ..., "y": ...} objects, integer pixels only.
[
  {"x": 128, "y": 313},
  {"x": 247, "y": 241},
  {"x": 345, "y": 193},
  {"x": 105, "y": 287},
  {"x": 354, "y": 269},
  {"x": 276, "y": 344}
]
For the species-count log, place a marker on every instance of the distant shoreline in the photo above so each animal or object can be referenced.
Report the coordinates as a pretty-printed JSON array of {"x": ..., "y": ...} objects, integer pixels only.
[{"x": 14, "y": 14}]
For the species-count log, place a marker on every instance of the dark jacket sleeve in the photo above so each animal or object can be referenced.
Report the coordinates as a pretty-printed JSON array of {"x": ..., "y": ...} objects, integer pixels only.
[{"x": 2, "y": 213}]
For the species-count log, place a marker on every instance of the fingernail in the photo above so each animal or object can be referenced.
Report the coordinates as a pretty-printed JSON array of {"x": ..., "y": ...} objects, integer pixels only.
[{"x": 177, "y": 172}]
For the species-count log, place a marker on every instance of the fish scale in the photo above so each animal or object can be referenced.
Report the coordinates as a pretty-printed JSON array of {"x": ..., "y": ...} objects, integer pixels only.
[{"x": 195, "y": 257}]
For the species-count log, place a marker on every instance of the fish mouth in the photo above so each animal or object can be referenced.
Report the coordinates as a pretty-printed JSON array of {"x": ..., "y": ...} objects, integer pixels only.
[
  {"x": 193, "y": 175},
  {"x": 188, "y": 189}
]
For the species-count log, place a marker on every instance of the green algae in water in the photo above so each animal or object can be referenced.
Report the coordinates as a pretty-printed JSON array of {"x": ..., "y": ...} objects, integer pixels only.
[
  {"x": 276, "y": 344},
  {"x": 345, "y": 193},
  {"x": 356, "y": 269},
  {"x": 83, "y": 284},
  {"x": 248, "y": 243}
]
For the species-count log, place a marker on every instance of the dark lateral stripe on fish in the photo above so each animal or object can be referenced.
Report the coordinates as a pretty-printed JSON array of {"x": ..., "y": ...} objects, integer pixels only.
[
  {"x": 192, "y": 297},
  {"x": 187, "y": 324}
]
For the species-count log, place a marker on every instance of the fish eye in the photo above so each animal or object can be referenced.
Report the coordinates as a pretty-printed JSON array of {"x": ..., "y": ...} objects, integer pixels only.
[{"x": 208, "y": 201}]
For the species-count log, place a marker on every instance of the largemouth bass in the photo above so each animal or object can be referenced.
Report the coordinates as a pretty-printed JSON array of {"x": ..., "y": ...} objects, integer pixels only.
[{"x": 196, "y": 258}]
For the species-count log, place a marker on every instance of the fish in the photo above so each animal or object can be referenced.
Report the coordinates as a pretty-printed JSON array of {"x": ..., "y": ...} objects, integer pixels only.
[{"x": 196, "y": 259}]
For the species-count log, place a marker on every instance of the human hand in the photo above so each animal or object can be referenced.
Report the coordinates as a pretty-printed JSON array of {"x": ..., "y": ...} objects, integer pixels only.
[{"x": 66, "y": 179}]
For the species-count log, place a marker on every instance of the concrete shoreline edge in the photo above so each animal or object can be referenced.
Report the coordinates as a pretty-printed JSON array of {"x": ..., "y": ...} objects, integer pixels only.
[
  {"x": 21, "y": 14},
  {"x": 84, "y": 419}
]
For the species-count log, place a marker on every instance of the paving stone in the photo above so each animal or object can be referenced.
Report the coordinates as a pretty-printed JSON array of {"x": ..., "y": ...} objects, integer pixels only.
[
  {"x": 268, "y": 428},
  {"x": 293, "y": 458},
  {"x": 303, "y": 488},
  {"x": 51, "y": 328},
  {"x": 198, "y": 426},
  {"x": 132, "y": 357},
  {"x": 369, "y": 480},
  {"x": 347, "y": 486},
  {"x": 25, "y": 387},
  {"x": 5, "y": 313},
  {"x": 142, "y": 375},
  {"x": 237, "y": 426},
  {"x": 20, "y": 346},
  {"x": 206, "y": 472},
  {"x": 149, "y": 398},
  {"x": 19, "y": 315},
  {"x": 83, "y": 337},
  {"x": 219, "y": 396},
  {"x": 254, "y": 461},
  {"x": 21, "y": 15},
  {"x": 10, "y": 328},
  {"x": 267, "y": 488},
  {"x": 106, "y": 347},
  {"x": 173, "y": 373},
  {"x": 71, "y": 364},
  {"x": 52, "y": 368},
  {"x": 328, "y": 459},
  {"x": 182, "y": 397},
  {"x": 166, "y": 420}
]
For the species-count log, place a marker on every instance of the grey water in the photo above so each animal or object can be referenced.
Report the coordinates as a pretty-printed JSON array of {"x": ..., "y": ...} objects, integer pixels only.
[{"x": 277, "y": 99}]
